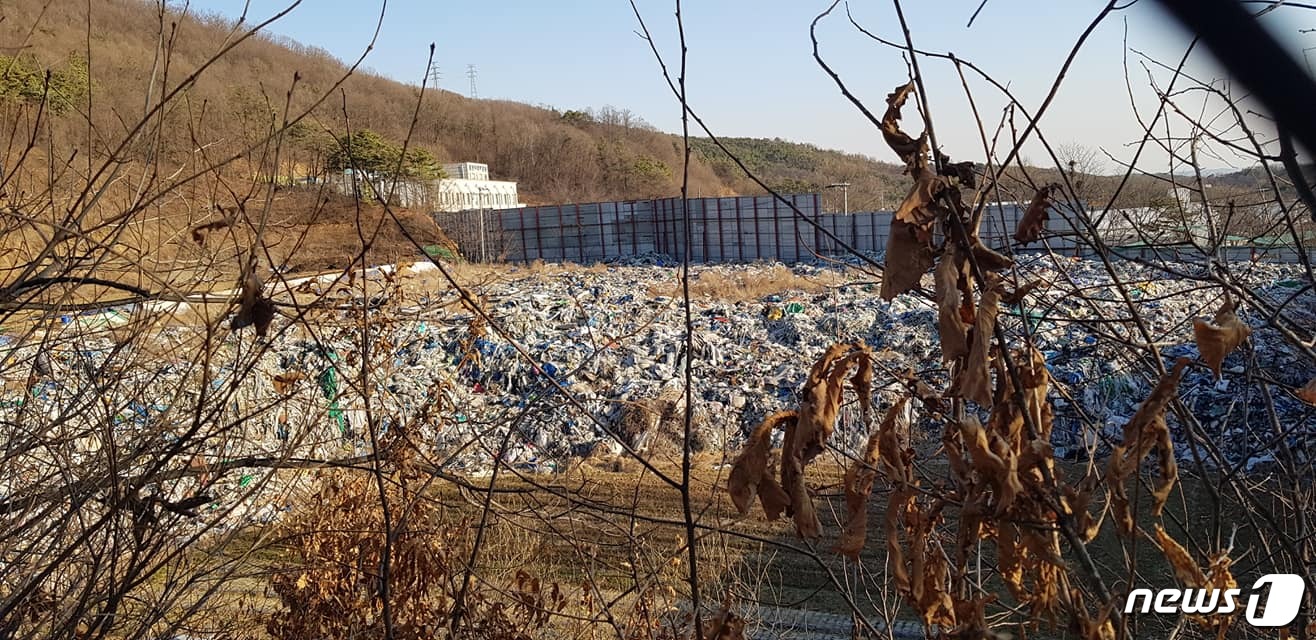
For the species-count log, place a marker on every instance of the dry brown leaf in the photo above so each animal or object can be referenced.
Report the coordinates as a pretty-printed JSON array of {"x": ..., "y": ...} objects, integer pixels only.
[
  {"x": 907, "y": 258},
  {"x": 751, "y": 474},
  {"x": 820, "y": 402},
  {"x": 859, "y": 484},
  {"x": 253, "y": 307},
  {"x": 1217, "y": 576},
  {"x": 994, "y": 461},
  {"x": 906, "y": 147},
  {"x": 1017, "y": 296},
  {"x": 951, "y": 442},
  {"x": 1034, "y": 221},
  {"x": 929, "y": 568},
  {"x": 1011, "y": 559},
  {"x": 200, "y": 232},
  {"x": 806, "y": 432},
  {"x": 1033, "y": 375},
  {"x": 1078, "y": 500},
  {"x": 974, "y": 381},
  {"x": 1185, "y": 568},
  {"x": 1092, "y": 627},
  {"x": 952, "y": 329},
  {"x": 726, "y": 626},
  {"x": 988, "y": 259},
  {"x": 1078, "y": 503},
  {"x": 1029, "y": 558},
  {"x": 920, "y": 568},
  {"x": 972, "y": 614},
  {"x": 918, "y": 208},
  {"x": 1308, "y": 393},
  {"x": 900, "y": 502},
  {"x": 1216, "y": 339},
  {"x": 1169, "y": 469},
  {"x": 284, "y": 382},
  {"x": 963, "y": 173},
  {"x": 909, "y": 254},
  {"x": 1147, "y": 429}
]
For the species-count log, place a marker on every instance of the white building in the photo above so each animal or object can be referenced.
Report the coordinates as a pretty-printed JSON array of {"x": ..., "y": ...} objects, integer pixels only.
[
  {"x": 467, "y": 187},
  {"x": 459, "y": 194},
  {"x": 467, "y": 170}
]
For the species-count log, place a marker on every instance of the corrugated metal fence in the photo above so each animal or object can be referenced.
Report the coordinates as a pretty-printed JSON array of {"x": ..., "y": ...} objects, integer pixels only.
[
  {"x": 737, "y": 229},
  {"x": 731, "y": 229}
]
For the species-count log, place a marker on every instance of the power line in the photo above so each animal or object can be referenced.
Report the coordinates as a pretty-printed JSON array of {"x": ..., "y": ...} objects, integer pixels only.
[{"x": 470, "y": 73}]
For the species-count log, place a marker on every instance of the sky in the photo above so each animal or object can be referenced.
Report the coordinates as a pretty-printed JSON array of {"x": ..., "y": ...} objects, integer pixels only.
[{"x": 750, "y": 66}]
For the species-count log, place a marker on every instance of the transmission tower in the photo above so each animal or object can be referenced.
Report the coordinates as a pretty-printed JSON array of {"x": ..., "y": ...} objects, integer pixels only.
[
  {"x": 433, "y": 76},
  {"x": 470, "y": 73}
]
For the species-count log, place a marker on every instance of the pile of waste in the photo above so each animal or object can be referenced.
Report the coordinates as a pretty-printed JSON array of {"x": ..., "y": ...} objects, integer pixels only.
[{"x": 561, "y": 363}]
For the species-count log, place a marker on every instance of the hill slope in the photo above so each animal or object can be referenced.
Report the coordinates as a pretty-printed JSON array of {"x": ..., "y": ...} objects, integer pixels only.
[{"x": 556, "y": 156}]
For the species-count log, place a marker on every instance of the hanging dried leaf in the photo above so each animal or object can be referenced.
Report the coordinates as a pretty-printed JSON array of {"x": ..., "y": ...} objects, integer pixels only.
[
  {"x": 900, "y": 502},
  {"x": 918, "y": 209},
  {"x": 951, "y": 281},
  {"x": 952, "y": 444},
  {"x": 928, "y": 570},
  {"x": 1168, "y": 468},
  {"x": 962, "y": 173},
  {"x": 284, "y": 382},
  {"x": 1008, "y": 418},
  {"x": 1186, "y": 571},
  {"x": 1217, "y": 339},
  {"x": 1185, "y": 568},
  {"x": 200, "y": 232},
  {"x": 1015, "y": 297},
  {"x": 752, "y": 473},
  {"x": 859, "y": 484},
  {"x": 1033, "y": 223},
  {"x": 820, "y": 402},
  {"x": 253, "y": 307},
  {"x": 726, "y": 625},
  {"x": 994, "y": 460},
  {"x": 974, "y": 381},
  {"x": 909, "y": 254},
  {"x": 1078, "y": 503},
  {"x": 821, "y": 395},
  {"x": 988, "y": 259},
  {"x": 806, "y": 432},
  {"x": 1092, "y": 627},
  {"x": 907, "y": 258},
  {"x": 1308, "y": 393},
  {"x": 906, "y": 147},
  {"x": 1012, "y": 560},
  {"x": 1035, "y": 379},
  {"x": 1147, "y": 429}
]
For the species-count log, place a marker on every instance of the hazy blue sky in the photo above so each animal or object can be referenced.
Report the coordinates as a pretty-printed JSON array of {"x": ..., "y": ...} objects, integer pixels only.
[{"x": 751, "y": 70}]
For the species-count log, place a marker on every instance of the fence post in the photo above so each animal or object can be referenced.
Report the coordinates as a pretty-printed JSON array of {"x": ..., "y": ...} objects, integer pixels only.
[
  {"x": 483, "y": 252},
  {"x": 776, "y": 229}
]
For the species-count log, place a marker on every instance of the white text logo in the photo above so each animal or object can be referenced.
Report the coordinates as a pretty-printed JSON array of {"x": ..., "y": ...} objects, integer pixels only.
[{"x": 1281, "y": 593}]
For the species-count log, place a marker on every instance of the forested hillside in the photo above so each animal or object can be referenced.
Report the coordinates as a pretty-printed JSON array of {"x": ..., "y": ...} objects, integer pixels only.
[{"x": 558, "y": 155}]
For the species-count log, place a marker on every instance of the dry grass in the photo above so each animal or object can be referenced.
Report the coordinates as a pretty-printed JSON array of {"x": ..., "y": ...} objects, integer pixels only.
[
  {"x": 744, "y": 285},
  {"x": 549, "y": 536},
  {"x": 750, "y": 559}
]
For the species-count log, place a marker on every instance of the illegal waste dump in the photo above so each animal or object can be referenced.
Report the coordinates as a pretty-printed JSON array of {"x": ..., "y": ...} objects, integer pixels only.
[{"x": 586, "y": 362}]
